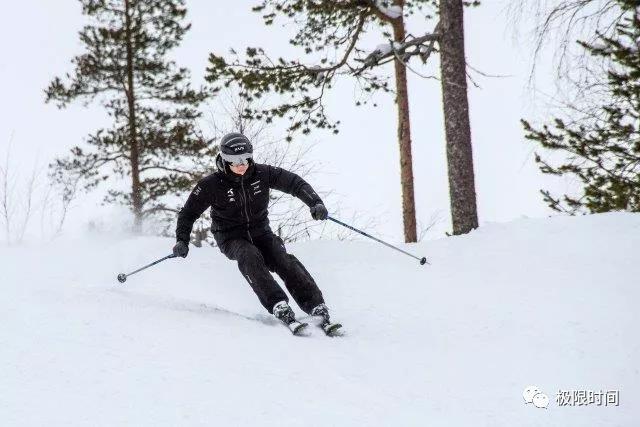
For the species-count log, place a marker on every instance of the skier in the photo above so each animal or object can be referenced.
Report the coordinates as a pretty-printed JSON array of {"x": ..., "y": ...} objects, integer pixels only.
[{"x": 238, "y": 194}]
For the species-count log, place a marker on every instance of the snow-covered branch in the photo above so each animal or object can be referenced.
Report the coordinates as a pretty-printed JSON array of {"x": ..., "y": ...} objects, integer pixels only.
[
  {"x": 392, "y": 11},
  {"x": 419, "y": 46}
]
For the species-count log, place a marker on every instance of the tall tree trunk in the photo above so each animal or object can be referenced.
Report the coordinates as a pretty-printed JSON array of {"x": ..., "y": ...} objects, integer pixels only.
[
  {"x": 462, "y": 191},
  {"x": 404, "y": 137},
  {"x": 134, "y": 153}
]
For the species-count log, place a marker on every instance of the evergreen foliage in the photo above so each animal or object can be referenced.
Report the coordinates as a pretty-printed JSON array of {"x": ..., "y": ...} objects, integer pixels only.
[
  {"x": 603, "y": 146},
  {"x": 328, "y": 32},
  {"x": 152, "y": 142}
]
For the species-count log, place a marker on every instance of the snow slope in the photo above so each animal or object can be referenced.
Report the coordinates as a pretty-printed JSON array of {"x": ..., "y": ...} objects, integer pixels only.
[{"x": 551, "y": 303}]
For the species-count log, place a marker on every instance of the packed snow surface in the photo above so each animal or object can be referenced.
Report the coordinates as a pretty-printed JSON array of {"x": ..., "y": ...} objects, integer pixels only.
[{"x": 549, "y": 303}]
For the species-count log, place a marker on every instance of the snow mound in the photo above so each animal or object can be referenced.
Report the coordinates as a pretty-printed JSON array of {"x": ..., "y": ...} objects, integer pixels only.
[{"x": 549, "y": 303}]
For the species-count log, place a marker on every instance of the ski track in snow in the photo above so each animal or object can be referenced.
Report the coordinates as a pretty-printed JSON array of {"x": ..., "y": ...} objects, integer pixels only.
[{"x": 551, "y": 303}]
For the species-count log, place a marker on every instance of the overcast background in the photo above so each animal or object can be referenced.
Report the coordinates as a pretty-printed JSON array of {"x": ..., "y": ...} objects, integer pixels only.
[{"x": 360, "y": 165}]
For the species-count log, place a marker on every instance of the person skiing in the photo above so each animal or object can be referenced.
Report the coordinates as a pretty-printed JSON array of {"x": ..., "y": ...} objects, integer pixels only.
[{"x": 238, "y": 195}]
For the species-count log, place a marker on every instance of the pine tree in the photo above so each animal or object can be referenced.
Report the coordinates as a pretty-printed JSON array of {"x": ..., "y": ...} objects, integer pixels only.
[
  {"x": 602, "y": 147},
  {"x": 453, "y": 65},
  {"x": 152, "y": 141}
]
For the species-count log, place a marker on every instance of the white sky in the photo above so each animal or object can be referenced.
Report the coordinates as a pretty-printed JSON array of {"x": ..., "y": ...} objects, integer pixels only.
[{"x": 361, "y": 164}]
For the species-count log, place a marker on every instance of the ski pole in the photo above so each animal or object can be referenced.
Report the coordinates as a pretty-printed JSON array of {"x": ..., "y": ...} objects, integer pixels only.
[
  {"x": 422, "y": 260},
  {"x": 123, "y": 277}
]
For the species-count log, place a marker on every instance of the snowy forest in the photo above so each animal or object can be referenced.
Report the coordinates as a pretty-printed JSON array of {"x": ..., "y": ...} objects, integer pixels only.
[{"x": 320, "y": 212}]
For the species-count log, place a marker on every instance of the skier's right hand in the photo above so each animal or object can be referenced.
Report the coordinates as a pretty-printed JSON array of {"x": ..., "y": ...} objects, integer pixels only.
[{"x": 181, "y": 249}]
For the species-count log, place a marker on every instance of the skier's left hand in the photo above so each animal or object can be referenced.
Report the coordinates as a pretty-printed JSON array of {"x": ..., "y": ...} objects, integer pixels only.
[{"x": 319, "y": 212}]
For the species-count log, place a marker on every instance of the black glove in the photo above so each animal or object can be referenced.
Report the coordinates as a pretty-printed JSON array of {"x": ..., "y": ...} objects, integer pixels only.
[
  {"x": 319, "y": 212},
  {"x": 181, "y": 249}
]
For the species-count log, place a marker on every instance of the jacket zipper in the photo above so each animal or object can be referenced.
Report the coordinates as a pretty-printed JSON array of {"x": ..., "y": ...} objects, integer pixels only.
[{"x": 246, "y": 213}]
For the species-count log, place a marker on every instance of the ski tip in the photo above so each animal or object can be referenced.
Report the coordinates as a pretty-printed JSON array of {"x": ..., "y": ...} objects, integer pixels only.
[
  {"x": 332, "y": 329},
  {"x": 297, "y": 329}
]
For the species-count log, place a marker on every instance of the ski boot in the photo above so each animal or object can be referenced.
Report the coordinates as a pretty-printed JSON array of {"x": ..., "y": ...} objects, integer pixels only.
[
  {"x": 285, "y": 314},
  {"x": 321, "y": 312}
]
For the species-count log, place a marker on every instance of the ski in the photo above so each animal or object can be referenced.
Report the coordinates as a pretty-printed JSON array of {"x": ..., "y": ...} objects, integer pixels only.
[{"x": 296, "y": 327}]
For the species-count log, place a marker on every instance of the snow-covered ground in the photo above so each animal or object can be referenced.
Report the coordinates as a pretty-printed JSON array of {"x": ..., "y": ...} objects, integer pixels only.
[{"x": 551, "y": 303}]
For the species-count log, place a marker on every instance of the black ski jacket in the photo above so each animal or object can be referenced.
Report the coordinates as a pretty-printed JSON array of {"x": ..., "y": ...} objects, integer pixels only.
[{"x": 239, "y": 203}]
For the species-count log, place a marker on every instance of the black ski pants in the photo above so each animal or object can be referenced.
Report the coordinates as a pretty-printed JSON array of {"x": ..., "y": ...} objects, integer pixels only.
[{"x": 267, "y": 253}]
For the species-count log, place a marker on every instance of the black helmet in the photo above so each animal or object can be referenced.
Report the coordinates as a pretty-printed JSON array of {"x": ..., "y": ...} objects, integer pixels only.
[{"x": 236, "y": 149}]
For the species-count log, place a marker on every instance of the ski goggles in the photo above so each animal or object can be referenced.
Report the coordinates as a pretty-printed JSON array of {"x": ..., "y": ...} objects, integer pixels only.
[{"x": 237, "y": 159}]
